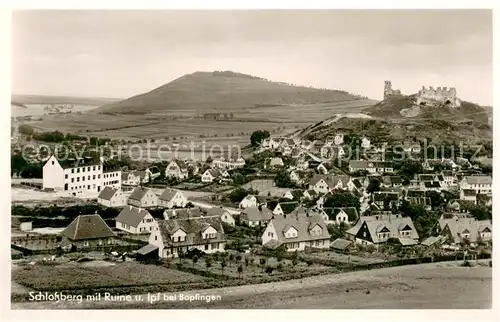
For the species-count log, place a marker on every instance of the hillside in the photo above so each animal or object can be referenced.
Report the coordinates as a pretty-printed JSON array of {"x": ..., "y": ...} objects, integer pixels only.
[
  {"x": 221, "y": 91},
  {"x": 23, "y": 100},
  {"x": 404, "y": 107}
]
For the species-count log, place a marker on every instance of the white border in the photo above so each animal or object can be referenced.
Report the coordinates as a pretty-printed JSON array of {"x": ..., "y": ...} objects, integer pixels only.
[{"x": 175, "y": 315}]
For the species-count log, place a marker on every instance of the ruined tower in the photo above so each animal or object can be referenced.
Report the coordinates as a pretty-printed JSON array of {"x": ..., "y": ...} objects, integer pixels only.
[{"x": 388, "y": 91}]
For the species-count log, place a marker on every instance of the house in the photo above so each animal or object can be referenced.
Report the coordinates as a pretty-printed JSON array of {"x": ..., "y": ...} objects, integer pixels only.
[
  {"x": 420, "y": 201},
  {"x": 142, "y": 175},
  {"x": 224, "y": 215},
  {"x": 112, "y": 197},
  {"x": 130, "y": 179},
  {"x": 371, "y": 166},
  {"x": 75, "y": 175},
  {"x": 183, "y": 213},
  {"x": 323, "y": 168},
  {"x": 274, "y": 143},
  {"x": 386, "y": 199},
  {"x": 284, "y": 208},
  {"x": 484, "y": 200},
  {"x": 252, "y": 201},
  {"x": 256, "y": 216},
  {"x": 411, "y": 147},
  {"x": 481, "y": 184},
  {"x": 339, "y": 139},
  {"x": 332, "y": 152},
  {"x": 177, "y": 169},
  {"x": 135, "y": 220},
  {"x": 302, "y": 163},
  {"x": 365, "y": 143},
  {"x": 392, "y": 181},
  {"x": 298, "y": 176},
  {"x": 171, "y": 198},
  {"x": 294, "y": 194},
  {"x": 153, "y": 173},
  {"x": 460, "y": 205},
  {"x": 468, "y": 195},
  {"x": 276, "y": 162},
  {"x": 460, "y": 229},
  {"x": 375, "y": 230},
  {"x": 88, "y": 232},
  {"x": 176, "y": 236},
  {"x": 430, "y": 186},
  {"x": 346, "y": 215},
  {"x": 143, "y": 198},
  {"x": 296, "y": 233},
  {"x": 310, "y": 194},
  {"x": 229, "y": 160},
  {"x": 297, "y": 153},
  {"x": 210, "y": 175},
  {"x": 449, "y": 177},
  {"x": 325, "y": 183},
  {"x": 111, "y": 175}
]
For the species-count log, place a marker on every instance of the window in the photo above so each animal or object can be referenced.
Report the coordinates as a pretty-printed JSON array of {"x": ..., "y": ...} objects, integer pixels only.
[
  {"x": 83, "y": 169},
  {"x": 88, "y": 178},
  {"x": 72, "y": 179},
  {"x": 86, "y": 244},
  {"x": 52, "y": 162},
  {"x": 206, "y": 247},
  {"x": 83, "y": 178},
  {"x": 98, "y": 167},
  {"x": 65, "y": 176},
  {"x": 156, "y": 237},
  {"x": 88, "y": 169},
  {"x": 78, "y": 170},
  {"x": 93, "y": 168},
  {"x": 72, "y": 170},
  {"x": 98, "y": 176},
  {"x": 93, "y": 177},
  {"x": 77, "y": 179}
]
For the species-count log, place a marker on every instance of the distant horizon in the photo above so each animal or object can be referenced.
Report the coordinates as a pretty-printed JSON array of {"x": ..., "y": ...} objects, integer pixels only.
[{"x": 120, "y": 54}]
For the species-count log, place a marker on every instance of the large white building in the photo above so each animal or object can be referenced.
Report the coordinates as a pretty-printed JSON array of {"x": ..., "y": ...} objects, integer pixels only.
[{"x": 78, "y": 175}]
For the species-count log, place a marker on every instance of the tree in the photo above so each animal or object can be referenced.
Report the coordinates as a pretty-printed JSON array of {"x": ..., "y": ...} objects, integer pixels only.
[
  {"x": 279, "y": 267},
  {"x": 373, "y": 186},
  {"x": 436, "y": 199},
  {"x": 195, "y": 260},
  {"x": 208, "y": 262},
  {"x": 282, "y": 180},
  {"x": 257, "y": 137},
  {"x": 231, "y": 258},
  {"x": 238, "y": 178},
  {"x": 342, "y": 199},
  {"x": 262, "y": 263},
  {"x": 223, "y": 264},
  {"x": 238, "y": 258},
  {"x": 26, "y": 129},
  {"x": 247, "y": 261},
  {"x": 237, "y": 195},
  {"x": 269, "y": 269},
  {"x": 240, "y": 270},
  {"x": 337, "y": 231}
]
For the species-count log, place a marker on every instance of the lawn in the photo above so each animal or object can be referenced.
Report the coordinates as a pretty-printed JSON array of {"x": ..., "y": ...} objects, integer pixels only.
[{"x": 77, "y": 276}]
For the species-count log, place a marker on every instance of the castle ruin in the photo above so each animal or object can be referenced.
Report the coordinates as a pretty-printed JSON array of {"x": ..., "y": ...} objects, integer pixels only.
[
  {"x": 431, "y": 96},
  {"x": 428, "y": 96},
  {"x": 388, "y": 91}
]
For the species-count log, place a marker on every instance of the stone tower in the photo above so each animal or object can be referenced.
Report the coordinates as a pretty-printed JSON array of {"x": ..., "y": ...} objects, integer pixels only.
[{"x": 387, "y": 89}]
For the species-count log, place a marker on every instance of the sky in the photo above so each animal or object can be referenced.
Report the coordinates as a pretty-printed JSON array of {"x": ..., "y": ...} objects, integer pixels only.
[{"x": 99, "y": 53}]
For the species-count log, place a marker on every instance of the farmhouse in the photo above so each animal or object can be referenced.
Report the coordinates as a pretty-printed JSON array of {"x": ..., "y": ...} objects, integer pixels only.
[
  {"x": 375, "y": 230},
  {"x": 88, "y": 231},
  {"x": 112, "y": 197},
  {"x": 143, "y": 198},
  {"x": 181, "y": 235},
  {"x": 296, "y": 233},
  {"x": 171, "y": 198},
  {"x": 135, "y": 220}
]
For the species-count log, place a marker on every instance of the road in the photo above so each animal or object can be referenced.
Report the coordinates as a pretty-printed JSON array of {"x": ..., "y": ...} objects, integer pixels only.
[{"x": 425, "y": 286}]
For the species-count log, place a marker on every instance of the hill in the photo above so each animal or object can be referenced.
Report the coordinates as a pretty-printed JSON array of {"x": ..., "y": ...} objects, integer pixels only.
[
  {"x": 222, "y": 91},
  {"x": 23, "y": 100},
  {"x": 404, "y": 107}
]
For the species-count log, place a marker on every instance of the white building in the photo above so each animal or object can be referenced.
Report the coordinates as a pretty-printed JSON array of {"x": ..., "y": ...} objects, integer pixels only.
[
  {"x": 143, "y": 198},
  {"x": 112, "y": 197},
  {"x": 74, "y": 175},
  {"x": 136, "y": 221},
  {"x": 481, "y": 184},
  {"x": 171, "y": 198}
]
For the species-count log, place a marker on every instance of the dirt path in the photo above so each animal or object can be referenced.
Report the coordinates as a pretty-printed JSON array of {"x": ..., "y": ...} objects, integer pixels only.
[{"x": 442, "y": 285}]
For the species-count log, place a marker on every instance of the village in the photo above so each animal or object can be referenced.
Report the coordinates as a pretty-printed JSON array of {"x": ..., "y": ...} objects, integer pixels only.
[{"x": 292, "y": 208}]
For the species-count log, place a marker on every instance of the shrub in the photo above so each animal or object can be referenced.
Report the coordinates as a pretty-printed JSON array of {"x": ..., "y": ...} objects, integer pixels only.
[{"x": 269, "y": 269}]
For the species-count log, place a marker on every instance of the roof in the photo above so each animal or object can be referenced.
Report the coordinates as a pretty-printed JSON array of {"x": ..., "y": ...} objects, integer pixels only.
[
  {"x": 340, "y": 244},
  {"x": 214, "y": 172},
  {"x": 447, "y": 173},
  {"x": 432, "y": 240},
  {"x": 302, "y": 225},
  {"x": 432, "y": 184},
  {"x": 139, "y": 193},
  {"x": 168, "y": 194},
  {"x": 107, "y": 193},
  {"x": 351, "y": 212},
  {"x": 362, "y": 164},
  {"x": 131, "y": 215},
  {"x": 422, "y": 201},
  {"x": 288, "y": 207},
  {"x": 216, "y": 211},
  {"x": 311, "y": 193},
  {"x": 469, "y": 192},
  {"x": 426, "y": 177},
  {"x": 357, "y": 183},
  {"x": 393, "y": 223},
  {"x": 275, "y": 161},
  {"x": 459, "y": 225},
  {"x": 147, "y": 249},
  {"x": 301, "y": 212},
  {"x": 125, "y": 176},
  {"x": 74, "y": 161},
  {"x": 194, "y": 227},
  {"x": 331, "y": 180},
  {"x": 478, "y": 180},
  {"x": 296, "y": 194},
  {"x": 415, "y": 193},
  {"x": 385, "y": 195},
  {"x": 257, "y": 214},
  {"x": 183, "y": 213},
  {"x": 407, "y": 241},
  {"x": 87, "y": 227}
]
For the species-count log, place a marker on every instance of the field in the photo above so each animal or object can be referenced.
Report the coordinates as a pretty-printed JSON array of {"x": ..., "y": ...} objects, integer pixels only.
[
  {"x": 72, "y": 276},
  {"x": 346, "y": 258},
  {"x": 426, "y": 286},
  {"x": 37, "y": 109},
  {"x": 277, "y": 120}
]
